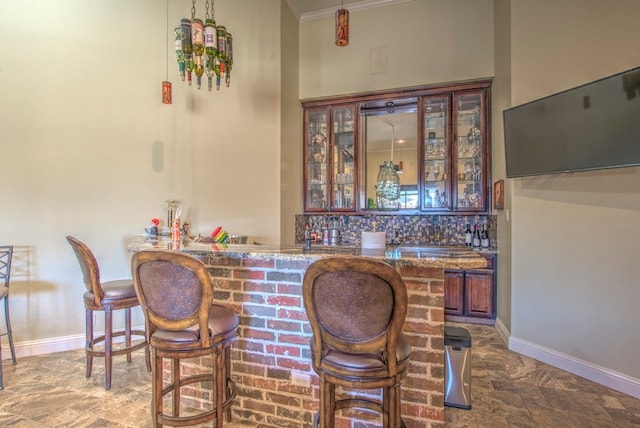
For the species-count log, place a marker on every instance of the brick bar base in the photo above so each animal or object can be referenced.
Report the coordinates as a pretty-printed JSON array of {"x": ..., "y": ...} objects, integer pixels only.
[{"x": 273, "y": 341}]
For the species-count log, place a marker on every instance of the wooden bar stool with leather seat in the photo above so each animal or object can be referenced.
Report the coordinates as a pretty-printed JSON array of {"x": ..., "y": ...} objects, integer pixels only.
[
  {"x": 6, "y": 254},
  {"x": 107, "y": 296},
  {"x": 356, "y": 307},
  {"x": 182, "y": 321}
]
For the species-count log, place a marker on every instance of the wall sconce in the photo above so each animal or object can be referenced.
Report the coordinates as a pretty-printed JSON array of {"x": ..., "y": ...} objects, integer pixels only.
[{"x": 342, "y": 26}]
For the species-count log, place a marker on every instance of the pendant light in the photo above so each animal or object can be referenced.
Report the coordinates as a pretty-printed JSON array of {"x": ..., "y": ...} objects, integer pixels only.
[
  {"x": 204, "y": 48},
  {"x": 342, "y": 26}
]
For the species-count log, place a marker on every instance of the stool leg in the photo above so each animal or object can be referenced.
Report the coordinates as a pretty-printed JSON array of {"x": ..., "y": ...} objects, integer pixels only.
[
  {"x": 219, "y": 387},
  {"x": 89, "y": 340},
  {"x": 127, "y": 331},
  {"x": 1, "y": 381},
  {"x": 9, "y": 331},
  {"x": 175, "y": 378},
  {"x": 327, "y": 404},
  {"x": 108, "y": 342},
  {"x": 227, "y": 375},
  {"x": 156, "y": 395}
]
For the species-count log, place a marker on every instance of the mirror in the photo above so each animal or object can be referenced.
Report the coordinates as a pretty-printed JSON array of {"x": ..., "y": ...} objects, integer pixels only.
[{"x": 389, "y": 133}]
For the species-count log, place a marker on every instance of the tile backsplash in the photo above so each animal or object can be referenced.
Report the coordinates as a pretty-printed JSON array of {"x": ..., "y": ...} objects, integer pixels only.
[{"x": 400, "y": 229}]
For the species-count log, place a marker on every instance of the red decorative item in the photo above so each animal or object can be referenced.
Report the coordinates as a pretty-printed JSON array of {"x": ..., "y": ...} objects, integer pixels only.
[
  {"x": 166, "y": 92},
  {"x": 342, "y": 27}
]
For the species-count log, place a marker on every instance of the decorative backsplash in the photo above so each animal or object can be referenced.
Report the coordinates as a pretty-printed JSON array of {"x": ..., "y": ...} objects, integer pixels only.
[{"x": 400, "y": 229}]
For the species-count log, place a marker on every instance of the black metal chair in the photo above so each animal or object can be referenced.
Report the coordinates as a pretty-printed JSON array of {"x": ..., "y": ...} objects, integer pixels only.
[
  {"x": 6, "y": 254},
  {"x": 107, "y": 296},
  {"x": 356, "y": 307}
]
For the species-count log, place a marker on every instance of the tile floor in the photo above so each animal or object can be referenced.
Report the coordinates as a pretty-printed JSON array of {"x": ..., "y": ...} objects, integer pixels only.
[{"x": 509, "y": 390}]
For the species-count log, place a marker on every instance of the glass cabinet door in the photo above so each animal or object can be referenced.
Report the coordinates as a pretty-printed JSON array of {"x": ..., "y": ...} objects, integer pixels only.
[
  {"x": 436, "y": 194},
  {"x": 343, "y": 163},
  {"x": 469, "y": 152},
  {"x": 316, "y": 160}
]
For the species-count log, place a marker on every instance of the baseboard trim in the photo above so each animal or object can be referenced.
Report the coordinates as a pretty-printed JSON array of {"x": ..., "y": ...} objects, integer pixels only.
[
  {"x": 593, "y": 372},
  {"x": 502, "y": 331},
  {"x": 31, "y": 348}
]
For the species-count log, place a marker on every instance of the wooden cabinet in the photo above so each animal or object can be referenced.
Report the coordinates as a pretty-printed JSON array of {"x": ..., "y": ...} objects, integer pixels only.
[
  {"x": 330, "y": 158},
  {"x": 454, "y": 292},
  {"x": 456, "y": 152},
  {"x": 436, "y": 137},
  {"x": 469, "y": 295}
]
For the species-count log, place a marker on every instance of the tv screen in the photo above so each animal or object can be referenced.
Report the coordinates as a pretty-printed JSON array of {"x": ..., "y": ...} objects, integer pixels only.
[{"x": 593, "y": 126}]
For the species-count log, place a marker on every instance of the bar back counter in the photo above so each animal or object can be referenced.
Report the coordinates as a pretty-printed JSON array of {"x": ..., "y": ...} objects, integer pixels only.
[{"x": 271, "y": 359}]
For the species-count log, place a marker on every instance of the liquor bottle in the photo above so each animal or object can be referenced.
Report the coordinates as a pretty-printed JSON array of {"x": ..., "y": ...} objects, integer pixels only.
[
  {"x": 187, "y": 47},
  {"x": 307, "y": 236},
  {"x": 325, "y": 235},
  {"x": 468, "y": 236},
  {"x": 476, "y": 236},
  {"x": 179, "y": 53},
  {"x": 484, "y": 238},
  {"x": 197, "y": 42}
]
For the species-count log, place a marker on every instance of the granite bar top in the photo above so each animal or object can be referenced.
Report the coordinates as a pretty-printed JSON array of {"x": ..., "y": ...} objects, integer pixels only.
[{"x": 440, "y": 256}]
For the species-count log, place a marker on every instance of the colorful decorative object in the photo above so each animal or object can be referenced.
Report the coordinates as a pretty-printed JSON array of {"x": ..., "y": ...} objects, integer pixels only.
[
  {"x": 203, "y": 47},
  {"x": 342, "y": 26}
]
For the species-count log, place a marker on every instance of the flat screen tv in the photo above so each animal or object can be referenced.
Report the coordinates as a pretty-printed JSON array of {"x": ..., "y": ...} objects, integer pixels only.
[{"x": 592, "y": 126}]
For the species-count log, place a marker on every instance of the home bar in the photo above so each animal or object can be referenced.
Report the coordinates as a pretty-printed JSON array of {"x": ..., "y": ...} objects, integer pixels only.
[
  {"x": 483, "y": 117},
  {"x": 263, "y": 285}
]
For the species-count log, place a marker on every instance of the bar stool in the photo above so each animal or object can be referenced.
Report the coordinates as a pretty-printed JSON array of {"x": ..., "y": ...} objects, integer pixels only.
[
  {"x": 6, "y": 254},
  {"x": 182, "y": 321},
  {"x": 356, "y": 307},
  {"x": 107, "y": 296}
]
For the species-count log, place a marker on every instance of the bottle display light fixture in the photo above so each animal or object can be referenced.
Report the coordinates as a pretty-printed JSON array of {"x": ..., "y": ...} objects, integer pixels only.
[{"x": 203, "y": 47}]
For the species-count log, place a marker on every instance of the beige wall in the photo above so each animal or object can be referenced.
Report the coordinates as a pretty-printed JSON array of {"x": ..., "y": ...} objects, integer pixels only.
[
  {"x": 501, "y": 99},
  {"x": 575, "y": 237},
  {"x": 427, "y": 41},
  {"x": 80, "y": 122},
  {"x": 291, "y": 147}
]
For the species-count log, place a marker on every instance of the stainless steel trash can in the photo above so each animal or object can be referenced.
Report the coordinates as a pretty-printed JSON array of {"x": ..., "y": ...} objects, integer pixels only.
[{"x": 457, "y": 366}]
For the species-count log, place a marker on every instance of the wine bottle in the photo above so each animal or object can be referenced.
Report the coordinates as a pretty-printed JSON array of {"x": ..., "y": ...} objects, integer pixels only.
[
  {"x": 222, "y": 43},
  {"x": 227, "y": 76},
  {"x": 484, "y": 238},
  {"x": 197, "y": 42},
  {"x": 476, "y": 236},
  {"x": 187, "y": 47},
  {"x": 468, "y": 236},
  {"x": 179, "y": 53},
  {"x": 210, "y": 38},
  {"x": 211, "y": 49}
]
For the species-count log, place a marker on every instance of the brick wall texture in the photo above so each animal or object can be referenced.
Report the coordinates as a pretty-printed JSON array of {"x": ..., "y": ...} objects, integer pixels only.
[{"x": 273, "y": 342}]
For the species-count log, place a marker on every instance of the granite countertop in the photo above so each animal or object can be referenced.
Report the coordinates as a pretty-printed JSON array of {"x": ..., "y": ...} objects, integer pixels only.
[{"x": 446, "y": 257}]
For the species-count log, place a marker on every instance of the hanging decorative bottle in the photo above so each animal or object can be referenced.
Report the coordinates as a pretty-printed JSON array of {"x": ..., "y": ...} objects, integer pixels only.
[
  {"x": 179, "y": 53},
  {"x": 187, "y": 47},
  {"x": 211, "y": 49},
  {"x": 388, "y": 187},
  {"x": 197, "y": 41},
  {"x": 229, "y": 61}
]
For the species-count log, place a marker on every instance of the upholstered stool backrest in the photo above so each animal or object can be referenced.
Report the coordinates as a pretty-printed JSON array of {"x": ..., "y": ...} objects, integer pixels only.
[
  {"x": 174, "y": 289},
  {"x": 355, "y": 305}
]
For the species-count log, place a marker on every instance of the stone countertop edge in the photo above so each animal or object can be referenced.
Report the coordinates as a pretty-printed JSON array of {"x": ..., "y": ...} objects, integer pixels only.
[{"x": 464, "y": 259}]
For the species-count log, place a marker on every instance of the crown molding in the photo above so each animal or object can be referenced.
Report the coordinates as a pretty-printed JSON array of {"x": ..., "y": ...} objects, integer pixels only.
[{"x": 353, "y": 7}]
